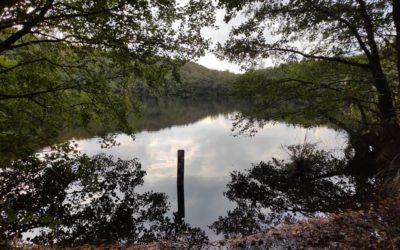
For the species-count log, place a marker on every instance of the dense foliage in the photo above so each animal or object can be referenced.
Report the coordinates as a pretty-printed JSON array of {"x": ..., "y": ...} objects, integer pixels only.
[
  {"x": 195, "y": 81},
  {"x": 68, "y": 63},
  {"x": 307, "y": 93}
]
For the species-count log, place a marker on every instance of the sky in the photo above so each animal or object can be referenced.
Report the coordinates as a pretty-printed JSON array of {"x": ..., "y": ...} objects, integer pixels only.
[{"x": 220, "y": 35}]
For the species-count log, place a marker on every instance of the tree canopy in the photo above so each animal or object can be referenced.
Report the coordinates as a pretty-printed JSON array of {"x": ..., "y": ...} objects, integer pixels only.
[
  {"x": 70, "y": 63},
  {"x": 142, "y": 29},
  {"x": 350, "y": 52}
]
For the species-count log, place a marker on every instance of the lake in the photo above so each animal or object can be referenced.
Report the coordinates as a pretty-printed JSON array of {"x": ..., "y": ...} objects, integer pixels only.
[
  {"x": 212, "y": 152},
  {"x": 90, "y": 197}
]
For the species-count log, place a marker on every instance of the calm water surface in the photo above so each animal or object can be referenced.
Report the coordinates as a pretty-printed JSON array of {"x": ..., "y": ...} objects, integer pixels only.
[{"x": 211, "y": 154}]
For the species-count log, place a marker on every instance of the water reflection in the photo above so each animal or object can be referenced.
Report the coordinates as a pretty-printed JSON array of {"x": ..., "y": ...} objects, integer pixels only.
[
  {"x": 69, "y": 199},
  {"x": 211, "y": 154},
  {"x": 311, "y": 182},
  {"x": 95, "y": 198},
  {"x": 161, "y": 113}
]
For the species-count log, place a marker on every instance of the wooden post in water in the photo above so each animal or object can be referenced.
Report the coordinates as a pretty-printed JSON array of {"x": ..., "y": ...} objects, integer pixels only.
[{"x": 180, "y": 184}]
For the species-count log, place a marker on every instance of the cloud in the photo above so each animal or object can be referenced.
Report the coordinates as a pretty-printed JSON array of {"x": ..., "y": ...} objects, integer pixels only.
[
  {"x": 221, "y": 35},
  {"x": 212, "y": 62}
]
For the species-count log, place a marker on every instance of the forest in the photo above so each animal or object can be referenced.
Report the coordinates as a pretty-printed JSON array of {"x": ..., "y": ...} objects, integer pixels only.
[{"x": 82, "y": 69}]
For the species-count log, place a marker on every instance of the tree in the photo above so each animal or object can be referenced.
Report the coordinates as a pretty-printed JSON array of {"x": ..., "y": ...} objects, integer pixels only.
[
  {"x": 356, "y": 35},
  {"x": 312, "y": 93},
  {"x": 72, "y": 63}
]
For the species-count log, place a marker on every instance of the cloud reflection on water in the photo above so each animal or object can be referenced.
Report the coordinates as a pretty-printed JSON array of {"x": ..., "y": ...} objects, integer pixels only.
[{"x": 211, "y": 153}]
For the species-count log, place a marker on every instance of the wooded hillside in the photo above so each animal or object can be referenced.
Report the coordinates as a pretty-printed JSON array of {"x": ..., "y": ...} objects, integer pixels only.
[{"x": 194, "y": 80}]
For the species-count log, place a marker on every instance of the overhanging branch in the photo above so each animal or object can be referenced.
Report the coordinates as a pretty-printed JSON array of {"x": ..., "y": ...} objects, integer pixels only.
[
  {"x": 318, "y": 57},
  {"x": 34, "y": 94}
]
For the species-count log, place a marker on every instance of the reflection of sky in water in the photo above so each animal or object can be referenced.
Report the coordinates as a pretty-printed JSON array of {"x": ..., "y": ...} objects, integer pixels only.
[{"x": 211, "y": 153}]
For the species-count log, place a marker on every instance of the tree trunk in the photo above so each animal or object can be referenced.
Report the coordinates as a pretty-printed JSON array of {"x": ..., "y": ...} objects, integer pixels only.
[
  {"x": 396, "y": 18},
  {"x": 363, "y": 163},
  {"x": 388, "y": 139},
  {"x": 388, "y": 144},
  {"x": 385, "y": 98}
]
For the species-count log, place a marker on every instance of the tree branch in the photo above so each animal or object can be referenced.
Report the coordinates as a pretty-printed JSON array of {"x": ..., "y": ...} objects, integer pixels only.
[
  {"x": 319, "y": 57},
  {"x": 324, "y": 85},
  {"x": 38, "y": 103},
  {"x": 5, "y": 45},
  {"x": 40, "y": 60},
  {"x": 22, "y": 64},
  {"x": 34, "y": 94},
  {"x": 19, "y": 45},
  {"x": 351, "y": 27}
]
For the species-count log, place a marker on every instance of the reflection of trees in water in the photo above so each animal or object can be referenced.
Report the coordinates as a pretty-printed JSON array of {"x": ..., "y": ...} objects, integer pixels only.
[
  {"x": 160, "y": 113},
  {"x": 71, "y": 199},
  {"x": 311, "y": 182}
]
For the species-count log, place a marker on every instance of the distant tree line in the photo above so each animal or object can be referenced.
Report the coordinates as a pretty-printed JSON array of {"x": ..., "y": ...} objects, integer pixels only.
[{"x": 193, "y": 81}]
